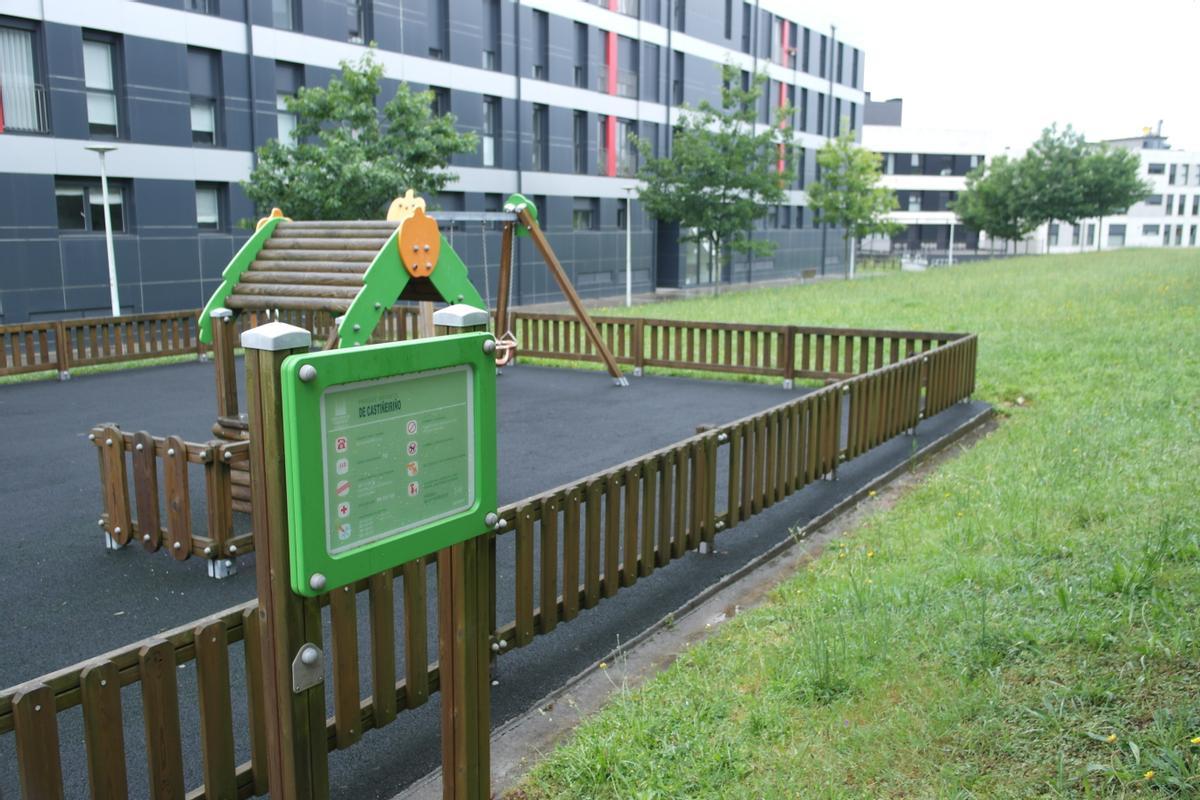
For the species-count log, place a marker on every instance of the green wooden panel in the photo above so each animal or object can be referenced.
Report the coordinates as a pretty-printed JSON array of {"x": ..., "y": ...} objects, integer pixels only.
[
  {"x": 233, "y": 273},
  {"x": 390, "y": 454}
]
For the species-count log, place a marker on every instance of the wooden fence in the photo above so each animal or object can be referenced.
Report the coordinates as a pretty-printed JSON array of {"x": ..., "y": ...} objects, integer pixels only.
[
  {"x": 63, "y": 345},
  {"x": 574, "y": 546},
  {"x": 783, "y": 351}
]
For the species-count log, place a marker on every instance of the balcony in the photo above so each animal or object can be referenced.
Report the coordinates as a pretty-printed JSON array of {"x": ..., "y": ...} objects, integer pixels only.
[
  {"x": 627, "y": 82},
  {"x": 25, "y": 109},
  {"x": 629, "y": 8}
]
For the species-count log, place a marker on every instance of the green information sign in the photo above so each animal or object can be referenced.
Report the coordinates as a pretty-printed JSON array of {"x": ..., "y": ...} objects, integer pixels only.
[{"x": 390, "y": 455}]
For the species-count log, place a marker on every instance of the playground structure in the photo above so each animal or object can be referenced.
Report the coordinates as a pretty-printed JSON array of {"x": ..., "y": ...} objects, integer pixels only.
[{"x": 343, "y": 282}]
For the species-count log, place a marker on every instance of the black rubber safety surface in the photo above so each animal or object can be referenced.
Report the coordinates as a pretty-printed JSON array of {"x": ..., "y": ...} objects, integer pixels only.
[{"x": 68, "y": 600}]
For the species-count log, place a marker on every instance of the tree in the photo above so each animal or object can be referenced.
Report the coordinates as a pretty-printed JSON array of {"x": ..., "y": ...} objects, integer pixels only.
[
  {"x": 848, "y": 194},
  {"x": 347, "y": 162},
  {"x": 996, "y": 200},
  {"x": 1054, "y": 172},
  {"x": 1111, "y": 183},
  {"x": 720, "y": 176}
]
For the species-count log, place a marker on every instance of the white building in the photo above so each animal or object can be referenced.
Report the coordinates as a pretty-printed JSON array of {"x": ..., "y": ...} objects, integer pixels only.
[
  {"x": 1169, "y": 217},
  {"x": 926, "y": 168}
]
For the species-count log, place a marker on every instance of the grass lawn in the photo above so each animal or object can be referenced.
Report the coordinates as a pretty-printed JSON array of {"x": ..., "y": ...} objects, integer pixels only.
[{"x": 1025, "y": 623}]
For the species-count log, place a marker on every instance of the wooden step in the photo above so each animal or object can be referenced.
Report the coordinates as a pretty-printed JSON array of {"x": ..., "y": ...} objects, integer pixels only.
[
  {"x": 343, "y": 267},
  {"x": 355, "y": 224},
  {"x": 363, "y": 256},
  {"x": 362, "y": 243},
  {"x": 302, "y": 277},
  {"x": 262, "y": 302},
  {"x": 331, "y": 232},
  {"x": 296, "y": 290}
]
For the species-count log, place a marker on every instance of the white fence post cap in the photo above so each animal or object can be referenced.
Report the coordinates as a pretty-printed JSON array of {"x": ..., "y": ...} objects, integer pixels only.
[
  {"x": 460, "y": 315},
  {"x": 276, "y": 336}
]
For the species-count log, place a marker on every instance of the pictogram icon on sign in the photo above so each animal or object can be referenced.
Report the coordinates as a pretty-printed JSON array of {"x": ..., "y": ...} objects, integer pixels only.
[
  {"x": 341, "y": 444},
  {"x": 343, "y": 510}
]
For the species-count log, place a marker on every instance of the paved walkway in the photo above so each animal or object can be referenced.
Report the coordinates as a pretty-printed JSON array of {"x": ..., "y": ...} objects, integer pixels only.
[{"x": 77, "y": 601}]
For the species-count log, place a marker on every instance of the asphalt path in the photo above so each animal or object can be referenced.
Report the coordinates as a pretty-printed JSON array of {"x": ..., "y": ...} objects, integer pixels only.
[{"x": 69, "y": 600}]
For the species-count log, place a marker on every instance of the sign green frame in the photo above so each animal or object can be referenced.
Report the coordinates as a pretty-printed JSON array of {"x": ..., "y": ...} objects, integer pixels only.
[{"x": 389, "y": 452}]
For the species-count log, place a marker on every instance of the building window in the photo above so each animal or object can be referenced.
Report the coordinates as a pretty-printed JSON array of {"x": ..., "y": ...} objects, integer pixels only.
[
  {"x": 491, "y": 129},
  {"x": 914, "y": 201},
  {"x": 1116, "y": 235},
  {"x": 728, "y": 19},
  {"x": 1183, "y": 174},
  {"x": 1156, "y": 169},
  {"x": 201, "y": 6},
  {"x": 22, "y": 98},
  {"x": 81, "y": 205},
  {"x": 1171, "y": 175},
  {"x": 288, "y": 80},
  {"x": 1154, "y": 200},
  {"x": 1052, "y": 234},
  {"x": 491, "y": 34},
  {"x": 585, "y": 213},
  {"x": 579, "y": 136},
  {"x": 1075, "y": 234},
  {"x": 441, "y": 101},
  {"x": 651, "y": 72},
  {"x": 99, "y": 77},
  {"x": 626, "y": 151},
  {"x": 677, "y": 78},
  {"x": 439, "y": 28},
  {"x": 627, "y": 78},
  {"x": 541, "y": 51},
  {"x": 541, "y": 137},
  {"x": 747, "y": 26},
  {"x": 820, "y": 114},
  {"x": 622, "y": 213},
  {"x": 208, "y": 206},
  {"x": 824, "y": 56},
  {"x": 801, "y": 157},
  {"x": 581, "y": 55},
  {"x": 203, "y": 82},
  {"x": 1178, "y": 235},
  {"x": 680, "y": 14},
  {"x": 283, "y": 14},
  {"x": 359, "y": 22},
  {"x": 1195, "y": 204},
  {"x": 854, "y": 74},
  {"x": 1170, "y": 201},
  {"x": 1192, "y": 237},
  {"x": 1091, "y": 234},
  {"x": 1149, "y": 230}
]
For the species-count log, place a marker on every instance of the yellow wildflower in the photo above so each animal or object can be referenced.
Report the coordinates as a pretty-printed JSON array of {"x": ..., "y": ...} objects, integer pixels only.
[
  {"x": 1149, "y": 774},
  {"x": 1112, "y": 737},
  {"x": 871, "y": 493},
  {"x": 870, "y": 554},
  {"x": 603, "y": 665},
  {"x": 1196, "y": 740}
]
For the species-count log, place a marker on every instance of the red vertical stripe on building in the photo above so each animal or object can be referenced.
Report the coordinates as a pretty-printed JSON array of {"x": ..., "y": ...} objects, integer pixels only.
[
  {"x": 610, "y": 130},
  {"x": 784, "y": 35}
]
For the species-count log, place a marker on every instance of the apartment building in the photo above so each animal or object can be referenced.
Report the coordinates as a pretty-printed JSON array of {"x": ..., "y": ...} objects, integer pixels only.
[
  {"x": 1168, "y": 217},
  {"x": 926, "y": 168},
  {"x": 187, "y": 89}
]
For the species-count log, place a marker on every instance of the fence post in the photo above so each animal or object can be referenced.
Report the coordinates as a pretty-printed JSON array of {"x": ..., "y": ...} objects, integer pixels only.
[
  {"x": 464, "y": 658},
  {"x": 789, "y": 356},
  {"x": 639, "y": 345},
  {"x": 61, "y": 354},
  {"x": 223, "y": 334},
  {"x": 290, "y": 625}
]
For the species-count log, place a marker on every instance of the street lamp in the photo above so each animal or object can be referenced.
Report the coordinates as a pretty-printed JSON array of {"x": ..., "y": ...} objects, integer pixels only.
[
  {"x": 114, "y": 295},
  {"x": 628, "y": 249}
]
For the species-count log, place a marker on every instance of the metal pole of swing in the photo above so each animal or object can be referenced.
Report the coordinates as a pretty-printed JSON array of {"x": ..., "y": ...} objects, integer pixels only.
[
  {"x": 628, "y": 245},
  {"x": 113, "y": 292}
]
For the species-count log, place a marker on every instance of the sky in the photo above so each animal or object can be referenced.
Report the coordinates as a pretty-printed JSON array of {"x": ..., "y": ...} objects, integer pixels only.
[{"x": 1013, "y": 67}]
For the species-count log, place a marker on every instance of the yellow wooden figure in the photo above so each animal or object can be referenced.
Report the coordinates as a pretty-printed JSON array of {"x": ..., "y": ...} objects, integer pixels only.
[{"x": 275, "y": 213}]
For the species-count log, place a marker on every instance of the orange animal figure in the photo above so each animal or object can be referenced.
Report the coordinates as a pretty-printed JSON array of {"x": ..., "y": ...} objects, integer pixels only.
[{"x": 419, "y": 243}]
